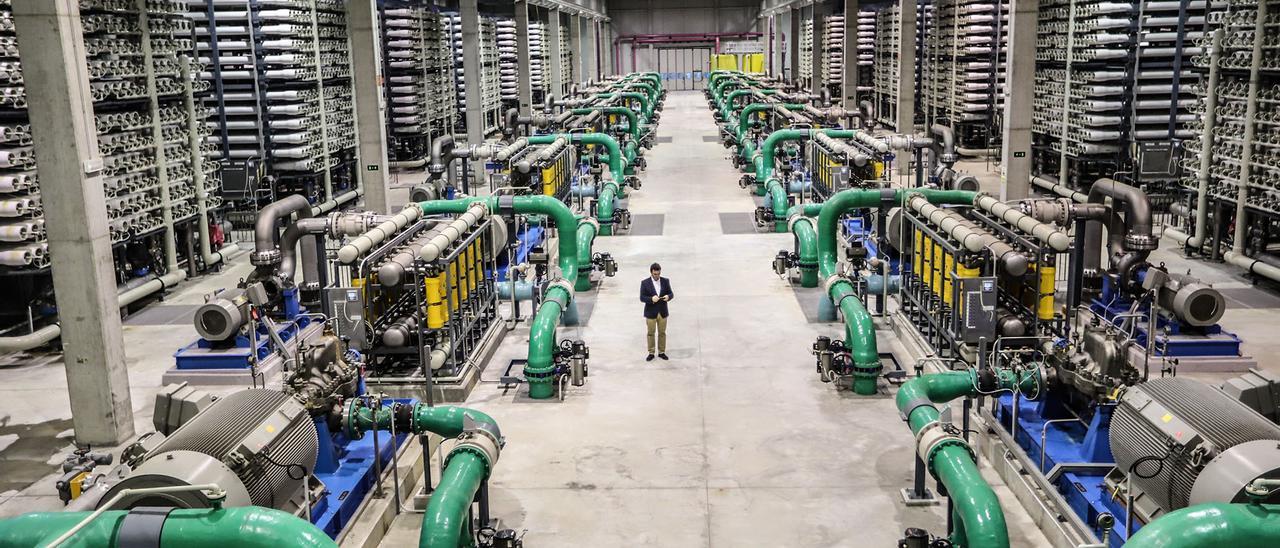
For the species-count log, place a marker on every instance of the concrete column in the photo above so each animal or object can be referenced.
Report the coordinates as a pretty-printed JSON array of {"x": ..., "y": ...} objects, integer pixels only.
[
  {"x": 817, "y": 14},
  {"x": 66, "y": 146},
  {"x": 606, "y": 46},
  {"x": 850, "y": 86},
  {"x": 768, "y": 45},
  {"x": 553, "y": 30},
  {"x": 370, "y": 103},
  {"x": 906, "y": 75},
  {"x": 575, "y": 49},
  {"x": 1015, "y": 144},
  {"x": 793, "y": 46},
  {"x": 524, "y": 84},
  {"x": 471, "y": 68},
  {"x": 591, "y": 50}
]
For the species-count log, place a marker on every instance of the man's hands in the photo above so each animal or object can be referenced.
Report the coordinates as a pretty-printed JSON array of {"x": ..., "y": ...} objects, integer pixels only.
[
  {"x": 655, "y": 298},
  {"x": 666, "y": 297}
]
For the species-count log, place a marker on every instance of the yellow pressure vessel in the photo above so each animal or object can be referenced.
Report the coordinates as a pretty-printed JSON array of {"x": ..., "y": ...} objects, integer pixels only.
[
  {"x": 1045, "y": 309},
  {"x": 434, "y": 288}
]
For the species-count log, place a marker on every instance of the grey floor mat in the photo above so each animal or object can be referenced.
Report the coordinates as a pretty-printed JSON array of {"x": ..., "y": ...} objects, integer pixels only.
[
  {"x": 1250, "y": 297},
  {"x": 163, "y": 314},
  {"x": 737, "y": 223},
  {"x": 648, "y": 224},
  {"x": 711, "y": 138},
  {"x": 664, "y": 139}
]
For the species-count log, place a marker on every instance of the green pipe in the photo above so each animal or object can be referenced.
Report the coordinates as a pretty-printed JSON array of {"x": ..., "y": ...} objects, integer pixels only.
[
  {"x": 860, "y": 332},
  {"x": 606, "y": 202},
  {"x": 586, "y": 234},
  {"x": 776, "y": 195},
  {"x": 542, "y": 336},
  {"x": 764, "y": 169},
  {"x": 633, "y": 127},
  {"x": 645, "y": 106},
  {"x": 726, "y": 110},
  {"x": 444, "y": 525},
  {"x": 217, "y": 527},
  {"x": 444, "y": 420},
  {"x": 744, "y": 118},
  {"x": 979, "y": 520},
  {"x": 806, "y": 240},
  {"x": 1240, "y": 525}
]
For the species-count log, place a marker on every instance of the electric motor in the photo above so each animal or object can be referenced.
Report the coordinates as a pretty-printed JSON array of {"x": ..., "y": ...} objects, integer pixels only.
[
  {"x": 258, "y": 445},
  {"x": 1197, "y": 444}
]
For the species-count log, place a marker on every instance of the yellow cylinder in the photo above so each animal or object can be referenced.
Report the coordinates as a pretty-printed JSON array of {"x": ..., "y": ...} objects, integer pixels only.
[
  {"x": 472, "y": 252},
  {"x": 964, "y": 272},
  {"x": 937, "y": 268},
  {"x": 453, "y": 286},
  {"x": 948, "y": 267},
  {"x": 917, "y": 248},
  {"x": 434, "y": 288},
  {"x": 1045, "y": 309}
]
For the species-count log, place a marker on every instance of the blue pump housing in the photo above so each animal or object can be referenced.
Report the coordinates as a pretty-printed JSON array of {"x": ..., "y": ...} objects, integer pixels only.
[
  {"x": 346, "y": 467},
  {"x": 1173, "y": 338}
]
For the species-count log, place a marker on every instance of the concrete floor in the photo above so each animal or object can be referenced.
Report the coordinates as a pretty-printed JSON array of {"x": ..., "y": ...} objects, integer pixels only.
[{"x": 733, "y": 442}]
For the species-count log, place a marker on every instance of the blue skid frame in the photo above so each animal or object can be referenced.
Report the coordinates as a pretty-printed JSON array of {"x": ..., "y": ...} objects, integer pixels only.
[
  {"x": 1082, "y": 451},
  {"x": 346, "y": 469}
]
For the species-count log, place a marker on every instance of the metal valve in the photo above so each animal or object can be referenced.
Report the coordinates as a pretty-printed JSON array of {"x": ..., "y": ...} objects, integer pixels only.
[
  {"x": 783, "y": 261},
  {"x": 622, "y": 219},
  {"x": 747, "y": 181},
  {"x": 631, "y": 180},
  {"x": 764, "y": 216},
  {"x": 603, "y": 261}
]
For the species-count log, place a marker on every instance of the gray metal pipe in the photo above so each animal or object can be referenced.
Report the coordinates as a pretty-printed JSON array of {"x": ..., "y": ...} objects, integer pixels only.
[
  {"x": 1044, "y": 232},
  {"x": 264, "y": 228},
  {"x": 348, "y": 253},
  {"x": 971, "y": 236},
  {"x": 391, "y": 273},
  {"x": 435, "y": 247},
  {"x": 948, "y": 136},
  {"x": 1059, "y": 189}
]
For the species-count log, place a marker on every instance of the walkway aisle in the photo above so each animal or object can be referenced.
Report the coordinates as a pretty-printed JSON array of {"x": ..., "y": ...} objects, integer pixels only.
[{"x": 734, "y": 442}]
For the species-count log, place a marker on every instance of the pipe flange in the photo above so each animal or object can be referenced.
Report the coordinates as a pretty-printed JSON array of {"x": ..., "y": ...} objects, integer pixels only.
[
  {"x": 935, "y": 436},
  {"x": 265, "y": 257},
  {"x": 795, "y": 218},
  {"x": 564, "y": 284},
  {"x": 480, "y": 443},
  {"x": 831, "y": 281},
  {"x": 1140, "y": 242},
  {"x": 590, "y": 221}
]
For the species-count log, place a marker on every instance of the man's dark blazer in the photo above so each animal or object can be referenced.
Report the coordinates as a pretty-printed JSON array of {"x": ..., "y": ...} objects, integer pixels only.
[{"x": 652, "y": 309}]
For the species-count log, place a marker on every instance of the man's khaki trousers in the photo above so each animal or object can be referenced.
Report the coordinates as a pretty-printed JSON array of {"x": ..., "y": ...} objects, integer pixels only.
[{"x": 658, "y": 324}]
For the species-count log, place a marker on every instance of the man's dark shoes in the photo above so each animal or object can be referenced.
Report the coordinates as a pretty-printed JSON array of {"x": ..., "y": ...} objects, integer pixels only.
[
  {"x": 650, "y": 358},
  {"x": 663, "y": 356}
]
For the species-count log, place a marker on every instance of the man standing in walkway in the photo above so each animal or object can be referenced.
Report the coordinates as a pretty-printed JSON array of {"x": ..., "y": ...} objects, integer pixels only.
[{"x": 655, "y": 293}]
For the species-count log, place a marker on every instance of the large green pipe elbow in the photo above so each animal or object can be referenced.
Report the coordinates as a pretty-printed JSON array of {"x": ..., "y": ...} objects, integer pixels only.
[
  {"x": 542, "y": 336},
  {"x": 776, "y": 195},
  {"x": 860, "y": 334},
  {"x": 1239, "y": 525},
  {"x": 744, "y": 118},
  {"x": 606, "y": 206},
  {"x": 806, "y": 239},
  {"x": 610, "y": 144},
  {"x": 586, "y": 235},
  {"x": 980, "y": 522},
  {"x": 540, "y": 369},
  {"x": 633, "y": 127},
  {"x": 645, "y": 105},
  {"x": 444, "y": 524},
  {"x": 242, "y": 527}
]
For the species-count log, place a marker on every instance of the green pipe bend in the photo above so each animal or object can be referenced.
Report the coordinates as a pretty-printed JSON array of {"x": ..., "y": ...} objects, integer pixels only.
[
  {"x": 744, "y": 118},
  {"x": 806, "y": 240},
  {"x": 980, "y": 520},
  {"x": 444, "y": 524},
  {"x": 242, "y": 527},
  {"x": 776, "y": 195},
  {"x": 586, "y": 235},
  {"x": 1241, "y": 525}
]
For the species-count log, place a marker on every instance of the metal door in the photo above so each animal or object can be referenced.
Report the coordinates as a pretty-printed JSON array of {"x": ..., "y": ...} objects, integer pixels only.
[{"x": 684, "y": 69}]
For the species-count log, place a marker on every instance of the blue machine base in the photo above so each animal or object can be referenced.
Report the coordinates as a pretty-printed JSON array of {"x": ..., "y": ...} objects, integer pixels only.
[
  {"x": 346, "y": 469},
  {"x": 527, "y": 240},
  {"x": 1074, "y": 446},
  {"x": 1173, "y": 339},
  {"x": 203, "y": 355}
]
